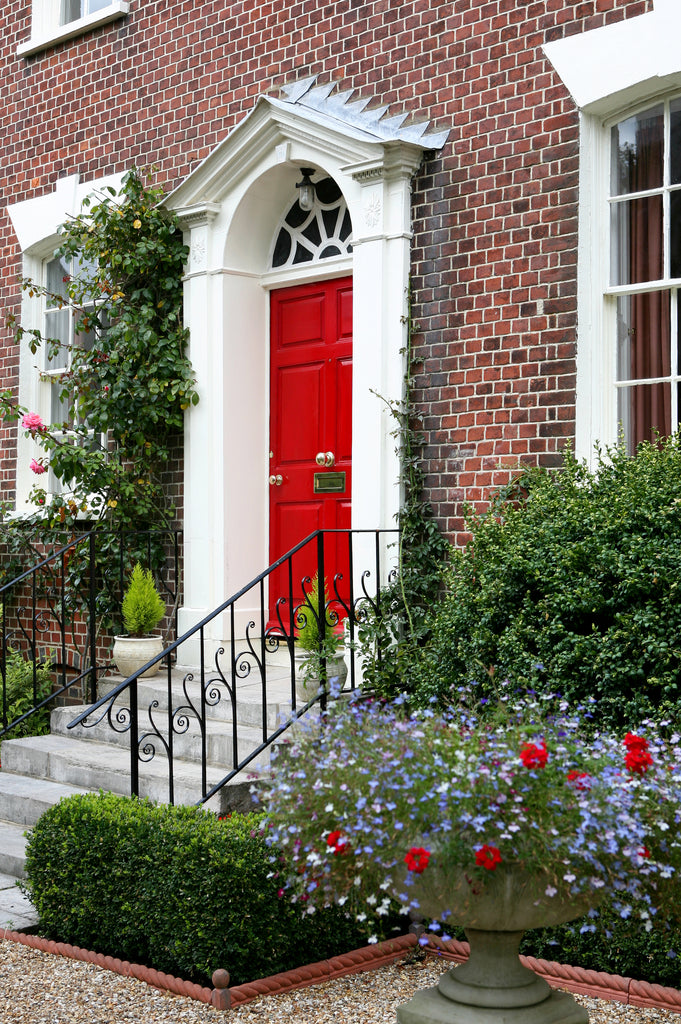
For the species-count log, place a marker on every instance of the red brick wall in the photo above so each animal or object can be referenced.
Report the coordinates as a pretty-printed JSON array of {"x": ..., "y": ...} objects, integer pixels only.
[{"x": 495, "y": 213}]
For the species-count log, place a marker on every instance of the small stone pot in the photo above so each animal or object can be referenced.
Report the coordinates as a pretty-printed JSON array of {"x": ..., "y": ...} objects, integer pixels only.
[
  {"x": 307, "y": 686},
  {"x": 132, "y": 652}
]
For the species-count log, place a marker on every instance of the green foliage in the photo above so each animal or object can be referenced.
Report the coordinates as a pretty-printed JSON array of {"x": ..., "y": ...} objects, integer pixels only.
[
  {"x": 173, "y": 887},
  {"x": 26, "y": 683},
  {"x": 392, "y": 632},
  {"x": 616, "y": 947},
  {"x": 571, "y": 583},
  {"x": 308, "y": 620},
  {"x": 143, "y": 606},
  {"x": 132, "y": 386}
]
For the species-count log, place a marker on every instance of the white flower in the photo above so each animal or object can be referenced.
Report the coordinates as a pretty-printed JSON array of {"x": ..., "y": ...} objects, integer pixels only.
[
  {"x": 372, "y": 938},
  {"x": 550, "y": 891},
  {"x": 329, "y": 808},
  {"x": 361, "y": 917}
]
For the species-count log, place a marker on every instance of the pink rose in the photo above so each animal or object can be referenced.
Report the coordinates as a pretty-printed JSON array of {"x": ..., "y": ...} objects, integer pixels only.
[
  {"x": 33, "y": 422},
  {"x": 38, "y": 467}
]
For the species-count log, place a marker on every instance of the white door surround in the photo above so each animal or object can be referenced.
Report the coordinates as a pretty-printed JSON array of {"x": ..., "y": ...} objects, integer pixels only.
[{"x": 230, "y": 208}]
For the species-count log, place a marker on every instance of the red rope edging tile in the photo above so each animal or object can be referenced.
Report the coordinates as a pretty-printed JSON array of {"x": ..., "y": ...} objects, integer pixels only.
[{"x": 575, "y": 979}]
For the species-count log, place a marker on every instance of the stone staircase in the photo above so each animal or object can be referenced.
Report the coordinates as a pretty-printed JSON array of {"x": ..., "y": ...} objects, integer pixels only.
[{"x": 38, "y": 771}]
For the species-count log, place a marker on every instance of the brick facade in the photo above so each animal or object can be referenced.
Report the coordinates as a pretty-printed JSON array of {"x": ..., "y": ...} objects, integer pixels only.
[{"x": 495, "y": 213}]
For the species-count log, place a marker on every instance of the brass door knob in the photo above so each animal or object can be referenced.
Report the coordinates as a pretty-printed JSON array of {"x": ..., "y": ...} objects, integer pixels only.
[
  {"x": 276, "y": 480},
  {"x": 327, "y": 459}
]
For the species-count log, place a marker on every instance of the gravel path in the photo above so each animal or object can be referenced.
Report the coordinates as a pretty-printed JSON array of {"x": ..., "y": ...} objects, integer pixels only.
[{"x": 41, "y": 988}]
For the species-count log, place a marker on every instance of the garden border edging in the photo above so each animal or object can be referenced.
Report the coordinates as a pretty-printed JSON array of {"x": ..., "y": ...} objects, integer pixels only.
[{"x": 575, "y": 979}]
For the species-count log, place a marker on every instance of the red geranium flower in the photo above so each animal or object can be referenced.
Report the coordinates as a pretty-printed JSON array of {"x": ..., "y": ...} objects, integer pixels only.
[
  {"x": 637, "y": 759},
  {"x": 417, "y": 859},
  {"x": 335, "y": 839},
  {"x": 534, "y": 755},
  {"x": 580, "y": 780},
  {"x": 487, "y": 857}
]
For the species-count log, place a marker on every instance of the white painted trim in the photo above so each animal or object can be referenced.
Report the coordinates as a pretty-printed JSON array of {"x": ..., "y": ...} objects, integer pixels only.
[
  {"x": 243, "y": 189},
  {"x": 609, "y": 72},
  {"x": 36, "y": 224},
  {"x": 41, "y": 39},
  {"x": 610, "y": 68}
]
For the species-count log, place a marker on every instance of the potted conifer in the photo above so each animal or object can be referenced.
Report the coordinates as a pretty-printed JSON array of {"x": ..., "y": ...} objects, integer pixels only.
[
  {"x": 142, "y": 608},
  {"x": 309, "y": 650}
]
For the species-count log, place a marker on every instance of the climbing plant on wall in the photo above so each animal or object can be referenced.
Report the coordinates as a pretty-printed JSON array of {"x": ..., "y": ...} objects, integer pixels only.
[{"x": 125, "y": 379}]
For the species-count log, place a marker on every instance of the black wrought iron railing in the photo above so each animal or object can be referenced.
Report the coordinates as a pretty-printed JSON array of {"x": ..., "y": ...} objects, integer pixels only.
[
  {"x": 57, "y": 618},
  {"x": 242, "y": 686}
]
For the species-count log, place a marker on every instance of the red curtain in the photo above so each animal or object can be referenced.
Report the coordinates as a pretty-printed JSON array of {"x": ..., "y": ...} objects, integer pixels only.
[{"x": 650, "y": 404}]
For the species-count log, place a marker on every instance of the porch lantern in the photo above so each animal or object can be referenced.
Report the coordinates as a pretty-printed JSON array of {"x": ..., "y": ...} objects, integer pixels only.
[{"x": 306, "y": 196}]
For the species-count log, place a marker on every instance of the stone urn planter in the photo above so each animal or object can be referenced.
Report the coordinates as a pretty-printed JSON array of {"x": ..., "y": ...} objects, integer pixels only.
[
  {"x": 307, "y": 683},
  {"x": 132, "y": 652},
  {"x": 493, "y": 986}
]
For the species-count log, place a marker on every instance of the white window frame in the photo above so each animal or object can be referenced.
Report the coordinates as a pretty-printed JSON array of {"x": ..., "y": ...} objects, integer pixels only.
[
  {"x": 36, "y": 222},
  {"x": 47, "y": 31},
  {"x": 611, "y": 73}
]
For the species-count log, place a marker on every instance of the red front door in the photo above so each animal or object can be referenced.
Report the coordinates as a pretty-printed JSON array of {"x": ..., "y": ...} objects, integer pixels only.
[{"x": 310, "y": 422}]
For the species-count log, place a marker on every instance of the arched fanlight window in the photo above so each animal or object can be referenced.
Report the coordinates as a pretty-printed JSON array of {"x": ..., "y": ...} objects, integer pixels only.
[{"x": 306, "y": 236}]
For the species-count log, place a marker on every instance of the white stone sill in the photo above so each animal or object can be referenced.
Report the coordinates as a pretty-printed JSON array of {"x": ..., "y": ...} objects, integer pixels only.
[{"x": 116, "y": 9}]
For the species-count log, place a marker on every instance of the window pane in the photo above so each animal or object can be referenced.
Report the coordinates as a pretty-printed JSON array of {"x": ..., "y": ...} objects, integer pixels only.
[
  {"x": 69, "y": 11},
  {"x": 57, "y": 327},
  {"x": 60, "y": 412},
  {"x": 643, "y": 336},
  {"x": 637, "y": 149},
  {"x": 636, "y": 243},
  {"x": 675, "y": 142},
  {"x": 97, "y": 5},
  {"x": 56, "y": 271},
  {"x": 643, "y": 411}
]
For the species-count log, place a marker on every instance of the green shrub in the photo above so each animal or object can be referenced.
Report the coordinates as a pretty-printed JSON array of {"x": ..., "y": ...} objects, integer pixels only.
[
  {"x": 572, "y": 582},
  {"x": 19, "y": 695},
  {"x": 172, "y": 887},
  {"x": 616, "y": 947},
  {"x": 143, "y": 607}
]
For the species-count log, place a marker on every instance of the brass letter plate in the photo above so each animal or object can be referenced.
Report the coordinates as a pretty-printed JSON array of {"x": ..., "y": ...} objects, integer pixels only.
[{"x": 329, "y": 483}]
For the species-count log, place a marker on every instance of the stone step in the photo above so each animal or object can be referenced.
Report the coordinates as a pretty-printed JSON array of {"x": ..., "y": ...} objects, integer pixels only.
[
  {"x": 17, "y": 913},
  {"x": 23, "y": 798},
  {"x": 186, "y": 688},
  {"x": 186, "y": 742},
  {"x": 12, "y": 849},
  {"x": 93, "y": 766}
]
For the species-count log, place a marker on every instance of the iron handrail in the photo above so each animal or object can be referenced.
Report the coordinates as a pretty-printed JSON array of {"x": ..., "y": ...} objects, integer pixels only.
[
  {"x": 42, "y": 607},
  {"x": 271, "y": 638}
]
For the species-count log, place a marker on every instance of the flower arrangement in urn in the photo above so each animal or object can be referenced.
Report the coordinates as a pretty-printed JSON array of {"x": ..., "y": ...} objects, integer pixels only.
[
  {"x": 496, "y": 822},
  {"x": 142, "y": 610}
]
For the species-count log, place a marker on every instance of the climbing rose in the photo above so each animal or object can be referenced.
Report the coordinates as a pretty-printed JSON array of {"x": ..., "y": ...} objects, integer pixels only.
[
  {"x": 637, "y": 759},
  {"x": 487, "y": 857},
  {"x": 32, "y": 421},
  {"x": 417, "y": 859},
  {"x": 37, "y": 467},
  {"x": 534, "y": 756}
]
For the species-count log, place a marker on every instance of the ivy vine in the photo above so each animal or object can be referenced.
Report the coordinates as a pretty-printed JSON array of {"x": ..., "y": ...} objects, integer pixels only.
[{"x": 392, "y": 636}]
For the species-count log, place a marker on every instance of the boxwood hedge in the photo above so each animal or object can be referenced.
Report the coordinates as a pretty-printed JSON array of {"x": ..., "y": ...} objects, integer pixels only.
[{"x": 174, "y": 888}]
